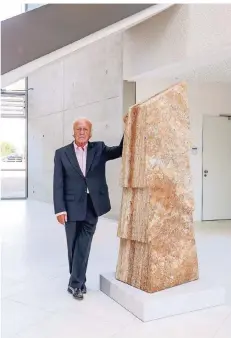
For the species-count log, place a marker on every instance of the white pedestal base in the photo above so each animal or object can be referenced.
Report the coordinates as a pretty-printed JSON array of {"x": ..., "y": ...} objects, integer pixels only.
[{"x": 184, "y": 298}]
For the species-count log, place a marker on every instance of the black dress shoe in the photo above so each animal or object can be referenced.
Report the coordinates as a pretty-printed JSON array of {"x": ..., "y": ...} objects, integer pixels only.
[
  {"x": 84, "y": 289},
  {"x": 78, "y": 294},
  {"x": 70, "y": 289}
]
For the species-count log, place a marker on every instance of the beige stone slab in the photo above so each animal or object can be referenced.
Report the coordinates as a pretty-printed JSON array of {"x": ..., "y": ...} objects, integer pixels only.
[
  {"x": 147, "y": 214},
  {"x": 157, "y": 140},
  {"x": 158, "y": 265},
  {"x": 157, "y": 243}
]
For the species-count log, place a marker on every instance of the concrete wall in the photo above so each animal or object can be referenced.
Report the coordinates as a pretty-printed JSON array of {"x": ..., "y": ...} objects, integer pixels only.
[
  {"x": 182, "y": 35},
  {"x": 157, "y": 42},
  {"x": 86, "y": 83},
  {"x": 204, "y": 99}
]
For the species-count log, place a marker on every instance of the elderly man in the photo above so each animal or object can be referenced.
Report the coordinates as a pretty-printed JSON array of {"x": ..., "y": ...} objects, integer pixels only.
[{"x": 80, "y": 195}]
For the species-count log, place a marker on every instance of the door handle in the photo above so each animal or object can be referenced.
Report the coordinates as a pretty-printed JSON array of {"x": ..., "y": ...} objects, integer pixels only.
[{"x": 206, "y": 171}]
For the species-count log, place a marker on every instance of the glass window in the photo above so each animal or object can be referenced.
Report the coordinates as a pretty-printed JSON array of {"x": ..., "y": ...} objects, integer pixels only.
[
  {"x": 12, "y": 105},
  {"x": 13, "y": 158},
  {"x": 29, "y": 7},
  {"x": 20, "y": 85},
  {"x": 13, "y": 99}
]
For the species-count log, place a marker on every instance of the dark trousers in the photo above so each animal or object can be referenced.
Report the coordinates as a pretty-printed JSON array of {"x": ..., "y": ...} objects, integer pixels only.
[{"x": 79, "y": 237}]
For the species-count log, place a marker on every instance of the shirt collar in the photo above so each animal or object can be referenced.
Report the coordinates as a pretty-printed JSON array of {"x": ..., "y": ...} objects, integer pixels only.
[{"x": 78, "y": 148}]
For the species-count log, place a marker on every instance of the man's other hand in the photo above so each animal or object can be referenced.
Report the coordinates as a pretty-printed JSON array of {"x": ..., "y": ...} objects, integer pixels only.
[{"x": 62, "y": 219}]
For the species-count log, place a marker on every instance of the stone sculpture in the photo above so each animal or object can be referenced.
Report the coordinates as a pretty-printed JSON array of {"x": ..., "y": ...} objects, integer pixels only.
[{"x": 157, "y": 244}]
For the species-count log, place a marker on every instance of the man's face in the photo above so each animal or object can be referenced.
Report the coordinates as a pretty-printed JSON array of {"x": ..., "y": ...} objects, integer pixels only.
[{"x": 82, "y": 132}]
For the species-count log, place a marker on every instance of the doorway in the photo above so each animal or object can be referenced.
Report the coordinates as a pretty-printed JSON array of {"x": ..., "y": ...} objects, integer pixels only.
[{"x": 216, "y": 197}]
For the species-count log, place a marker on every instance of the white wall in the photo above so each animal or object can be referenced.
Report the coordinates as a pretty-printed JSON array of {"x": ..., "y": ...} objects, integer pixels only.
[
  {"x": 204, "y": 99},
  {"x": 157, "y": 42},
  {"x": 86, "y": 83},
  {"x": 209, "y": 27},
  {"x": 182, "y": 36}
]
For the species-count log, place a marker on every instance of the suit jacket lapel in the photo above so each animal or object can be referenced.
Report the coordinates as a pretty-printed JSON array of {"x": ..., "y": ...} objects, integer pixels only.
[
  {"x": 90, "y": 156},
  {"x": 70, "y": 152}
]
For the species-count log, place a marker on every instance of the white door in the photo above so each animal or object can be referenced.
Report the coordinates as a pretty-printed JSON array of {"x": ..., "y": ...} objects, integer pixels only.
[{"x": 216, "y": 168}]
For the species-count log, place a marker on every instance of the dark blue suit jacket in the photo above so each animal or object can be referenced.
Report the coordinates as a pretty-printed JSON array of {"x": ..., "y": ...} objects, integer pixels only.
[{"x": 70, "y": 185}]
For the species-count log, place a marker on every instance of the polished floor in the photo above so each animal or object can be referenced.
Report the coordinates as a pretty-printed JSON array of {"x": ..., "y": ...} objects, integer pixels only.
[{"x": 34, "y": 301}]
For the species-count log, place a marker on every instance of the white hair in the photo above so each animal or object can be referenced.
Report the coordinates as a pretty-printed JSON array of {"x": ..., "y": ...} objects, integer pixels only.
[{"x": 83, "y": 119}]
